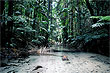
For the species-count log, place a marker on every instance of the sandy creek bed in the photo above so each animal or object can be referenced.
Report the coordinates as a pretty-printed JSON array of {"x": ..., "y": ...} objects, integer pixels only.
[{"x": 79, "y": 62}]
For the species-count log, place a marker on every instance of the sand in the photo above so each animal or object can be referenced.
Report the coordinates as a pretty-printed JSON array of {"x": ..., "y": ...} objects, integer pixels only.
[{"x": 79, "y": 62}]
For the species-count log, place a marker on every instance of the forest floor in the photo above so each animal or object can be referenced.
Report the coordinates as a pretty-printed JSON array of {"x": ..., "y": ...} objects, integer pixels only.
[{"x": 79, "y": 62}]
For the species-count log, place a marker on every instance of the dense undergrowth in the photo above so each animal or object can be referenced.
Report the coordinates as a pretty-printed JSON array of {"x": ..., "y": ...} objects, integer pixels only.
[{"x": 96, "y": 40}]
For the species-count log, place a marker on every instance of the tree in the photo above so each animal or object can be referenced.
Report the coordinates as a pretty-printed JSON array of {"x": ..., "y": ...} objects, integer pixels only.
[
  {"x": 10, "y": 22},
  {"x": 2, "y": 7}
]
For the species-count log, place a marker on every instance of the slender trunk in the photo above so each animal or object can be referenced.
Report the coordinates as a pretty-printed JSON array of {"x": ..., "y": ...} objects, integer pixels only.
[
  {"x": 69, "y": 21},
  {"x": 68, "y": 26},
  {"x": 72, "y": 21},
  {"x": 2, "y": 7},
  {"x": 48, "y": 10},
  {"x": 78, "y": 18},
  {"x": 10, "y": 13},
  {"x": 90, "y": 9},
  {"x": 34, "y": 19},
  {"x": 65, "y": 34},
  {"x": 46, "y": 42},
  {"x": 10, "y": 23},
  {"x": 2, "y": 26},
  {"x": 51, "y": 13}
]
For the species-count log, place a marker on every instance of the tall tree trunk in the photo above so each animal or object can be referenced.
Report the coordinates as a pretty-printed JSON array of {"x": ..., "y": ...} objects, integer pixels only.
[
  {"x": 2, "y": 7},
  {"x": 47, "y": 23},
  {"x": 65, "y": 34},
  {"x": 34, "y": 19},
  {"x": 68, "y": 26},
  {"x": 35, "y": 26},
  {"x": 2, "y": 26},
  {"x": 51, "y": 12},
  {"x": 10, "y": 23},
  {"x": 90, "y": 9},
  {"x": 71, "y": 20},
  {"x": 78, "y": 18}
]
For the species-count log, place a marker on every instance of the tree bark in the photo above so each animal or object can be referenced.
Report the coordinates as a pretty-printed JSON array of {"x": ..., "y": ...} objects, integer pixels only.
[
  {"x": 78, "y": 18},
  {"x": 47, "y": 35},
  {"x": 90, "y": 9},
  {"x": 2, "y": 26},
  {"x": 51, "y": 13},
  {"x": 2, "y": 30},
  {"x": 71, "y": 20},
  {"x": 10, "y": 23}
]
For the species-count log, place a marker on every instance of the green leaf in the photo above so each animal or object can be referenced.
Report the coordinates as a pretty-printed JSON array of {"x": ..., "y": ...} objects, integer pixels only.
[
  {"x": 36, "y": 41},
  {"x": 18, "y": 12},
  {"x": 96, "y": 17},
  {"x": 42, "y": 37},
  {"x": 44, "y": 22},
  {"x": 44, "y": 29},
  {"x": 107, "y": 18},
  {"x": 97, "y": 25},
  {"x": 22, "y": 29}
]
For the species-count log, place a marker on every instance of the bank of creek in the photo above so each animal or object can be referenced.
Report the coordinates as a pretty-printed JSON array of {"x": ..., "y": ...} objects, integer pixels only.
[{"x": 79, "y": 62}]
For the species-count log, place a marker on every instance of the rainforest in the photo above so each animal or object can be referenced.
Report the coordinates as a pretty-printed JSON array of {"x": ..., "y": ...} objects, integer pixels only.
[{"x": 54, "y": 36}]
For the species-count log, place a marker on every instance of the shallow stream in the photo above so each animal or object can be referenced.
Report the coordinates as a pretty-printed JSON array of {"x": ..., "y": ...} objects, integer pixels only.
[{"x": 79, "y": 62}]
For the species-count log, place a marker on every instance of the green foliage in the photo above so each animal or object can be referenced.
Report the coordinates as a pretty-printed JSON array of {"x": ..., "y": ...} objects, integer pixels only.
[
  {"x": 43, "y": 29},
  {"x": 97, "y": 25},
  {"x": 102, "y": 18},
  {"x": 37, "y": 42},
  {"x": 97, "y": 17},
  {"x": 107, "y": 18},
  {"x": 30, "y": 22},
  {"x": 69, "y": 21}
]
